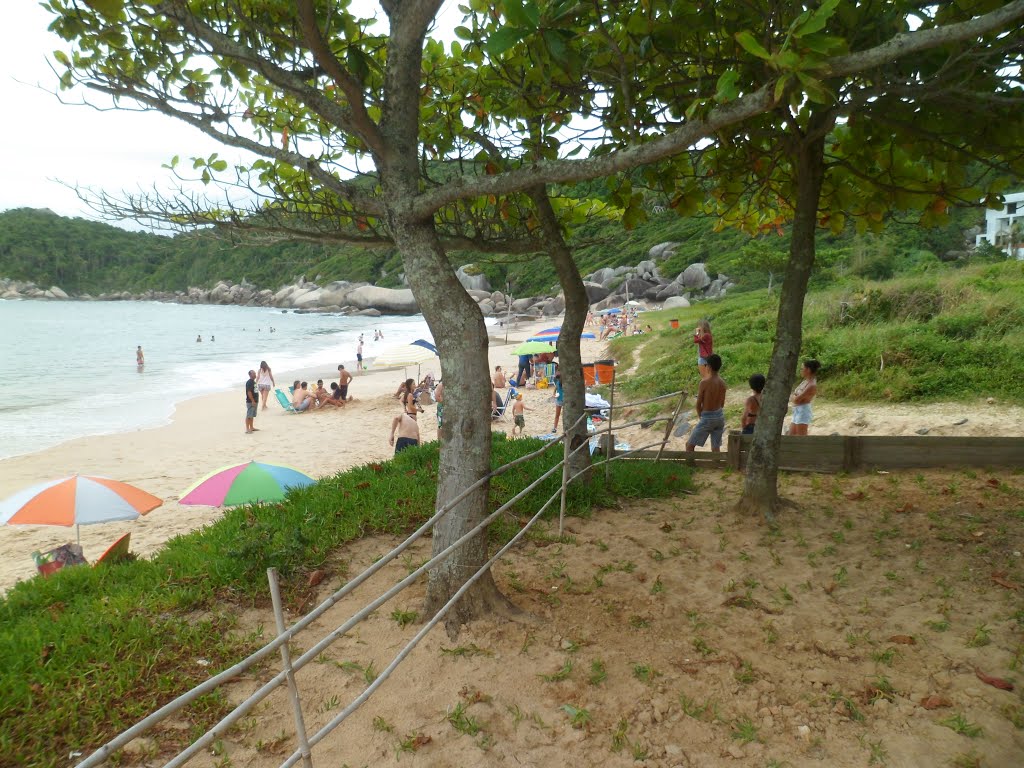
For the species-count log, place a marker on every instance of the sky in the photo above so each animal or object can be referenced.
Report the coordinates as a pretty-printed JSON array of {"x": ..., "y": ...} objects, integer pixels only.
[{"x": 44, "y": 142}]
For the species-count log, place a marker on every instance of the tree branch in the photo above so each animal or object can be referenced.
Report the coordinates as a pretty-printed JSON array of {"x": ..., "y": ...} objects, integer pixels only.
[{"x": 362, "y": 125}]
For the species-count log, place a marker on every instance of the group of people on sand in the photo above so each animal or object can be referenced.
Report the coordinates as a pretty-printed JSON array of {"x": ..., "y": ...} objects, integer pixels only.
[
  {"x": 303, "y": 399},
  {"x": 712, "y": 390}
]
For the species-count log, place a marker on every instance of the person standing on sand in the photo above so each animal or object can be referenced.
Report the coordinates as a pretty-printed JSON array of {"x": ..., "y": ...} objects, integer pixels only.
[
  {"x": 710, "y": 402},
  {"x": 140, "y": 359},
  {"x": 408, "y": 432},
  {"x": 439, "y": 399},
  {"x": 344, "y": 379},
  {"x": 524, "y": 372},
  {"x": 702, "y": 338},
  {"x": 559, "y": 397},
  {"x": 518, "y": 415},
  {"x": 251, "y": 401},
  {"x": 752, "y": 407},
  {"x": 359, "y": 356},
  {"x": 265, "y": 382},
  {"x": 803, "y": 395}
]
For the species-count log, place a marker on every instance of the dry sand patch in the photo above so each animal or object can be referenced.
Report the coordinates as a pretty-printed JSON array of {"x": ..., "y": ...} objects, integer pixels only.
[{"x": 677, "y": 633}]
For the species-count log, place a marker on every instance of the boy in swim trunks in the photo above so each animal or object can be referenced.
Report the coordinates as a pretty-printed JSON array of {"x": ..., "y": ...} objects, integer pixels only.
[
  {"x": 803, "y": 395},
  {"x": 752, "y": 407},
  {"x": 408, "y": 432},
  {"x": 518, "y": 415},
  {"x": 710, "y": 402}
]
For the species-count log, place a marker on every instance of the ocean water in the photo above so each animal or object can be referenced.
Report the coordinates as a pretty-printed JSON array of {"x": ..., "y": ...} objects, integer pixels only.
[{"x": 67, "y": 369}]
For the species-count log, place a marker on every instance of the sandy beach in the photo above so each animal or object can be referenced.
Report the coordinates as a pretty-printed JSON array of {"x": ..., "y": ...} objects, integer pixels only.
[{"x": 207, "y": 433}]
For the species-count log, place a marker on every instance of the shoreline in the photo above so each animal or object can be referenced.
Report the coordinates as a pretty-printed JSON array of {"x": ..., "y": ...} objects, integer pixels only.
[{"x": 206, "y": 432}]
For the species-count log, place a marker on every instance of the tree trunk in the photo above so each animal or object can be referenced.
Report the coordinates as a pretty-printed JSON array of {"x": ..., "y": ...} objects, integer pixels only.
[
  {"x": 570, "y": 363},
  {"x": 461, "y": 337},
  {"x": 760, "y": 487}
]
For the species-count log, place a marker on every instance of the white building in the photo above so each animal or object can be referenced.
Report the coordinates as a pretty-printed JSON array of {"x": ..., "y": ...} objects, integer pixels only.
[{"x": 999, "y": 226}]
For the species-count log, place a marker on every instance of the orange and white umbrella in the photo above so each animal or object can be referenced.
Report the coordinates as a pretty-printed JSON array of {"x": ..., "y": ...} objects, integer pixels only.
[{"x": 76, "y": 500}]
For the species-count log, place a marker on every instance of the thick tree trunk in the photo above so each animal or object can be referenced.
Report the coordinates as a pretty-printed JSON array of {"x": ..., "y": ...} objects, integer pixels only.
[
  {"x": 570, "y": 363},
  {"x": 760, "y": 487},
  {"x": 461, "y": 338}
]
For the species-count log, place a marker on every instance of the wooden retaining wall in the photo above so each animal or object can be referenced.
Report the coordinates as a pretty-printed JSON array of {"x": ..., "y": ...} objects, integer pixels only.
[{"x": 849, "y": 453}]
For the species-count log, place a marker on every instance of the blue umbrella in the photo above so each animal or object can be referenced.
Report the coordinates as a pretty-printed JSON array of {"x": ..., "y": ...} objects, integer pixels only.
[
  {"x": 426, "y": 345},
  {"x": 614, "y": 311},
  {"x": 585, "y": 335}
]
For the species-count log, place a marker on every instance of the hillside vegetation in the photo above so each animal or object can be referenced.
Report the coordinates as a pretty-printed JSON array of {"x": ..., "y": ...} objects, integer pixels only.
[
  {"x": 947, "y": 335},
  {"x": 87, "y": 256}
]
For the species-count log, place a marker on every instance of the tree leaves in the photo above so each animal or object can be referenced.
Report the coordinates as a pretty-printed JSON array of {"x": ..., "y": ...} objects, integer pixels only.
[
  {"x": 503, "y": 39},
  {"x": 751, "y": 46},
  {"x": 727, "y": 88}
]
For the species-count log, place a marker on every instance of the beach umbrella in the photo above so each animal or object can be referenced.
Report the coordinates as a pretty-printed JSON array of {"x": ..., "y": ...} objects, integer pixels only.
[
  {"x": 534, "y": 347},
  {"x": 425, "y": 344},
  {"x": 548, "y": 337},
  {"x": 245, "y": 484},
  {"x": 633, "y": 304},
  {"x": 410, "y": 354},
  {"x": 612, "y": 311},
  {"x": 77, "y": 500}
]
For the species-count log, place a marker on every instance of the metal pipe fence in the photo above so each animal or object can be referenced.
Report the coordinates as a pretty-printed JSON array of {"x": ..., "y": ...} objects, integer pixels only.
[{"x": 290, "y": 666}]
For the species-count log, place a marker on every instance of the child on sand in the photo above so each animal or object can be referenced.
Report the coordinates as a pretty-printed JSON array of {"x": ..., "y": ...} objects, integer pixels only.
[
  {"x": 518, "y": 415},
  {"x": 803, "y": 395},
  {"x": 752, "y": 406},
  {"x": 710, "y": 402},
  {"x": 702, "y": 338}
]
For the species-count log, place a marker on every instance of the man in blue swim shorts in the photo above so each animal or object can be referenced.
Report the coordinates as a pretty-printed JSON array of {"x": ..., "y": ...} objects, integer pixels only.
[{"x": 710, "y": 405}]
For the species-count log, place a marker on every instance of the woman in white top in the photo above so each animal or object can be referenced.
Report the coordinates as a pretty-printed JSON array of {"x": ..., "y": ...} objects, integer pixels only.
[{"x": 265, "y": 382}]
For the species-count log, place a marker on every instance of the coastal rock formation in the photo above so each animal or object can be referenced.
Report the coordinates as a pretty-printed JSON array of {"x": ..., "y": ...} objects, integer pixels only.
[
  {"x": 397, "y": 301},
  {"x": 472, "y": 278},
  {"x": 675, "y": 302},
  {"x": 694, "y": 276}
]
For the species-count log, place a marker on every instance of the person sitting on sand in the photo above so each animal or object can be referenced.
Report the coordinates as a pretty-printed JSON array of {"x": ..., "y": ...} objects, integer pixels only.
[
  {"x": 710, "y": 402},
  {"x": 498, "y": 379},
  {"x": 803, "y": 395},
  {"x": 323, "y": 397},
  {"x": 344, "y": 378},
  {"x": 336, "y": 394},
  {"x": 752, "y": 407},
  {"x": 302, "y": 400},
  {"x": 408, "y": 432},
  {"x": 518, "y": 414}
]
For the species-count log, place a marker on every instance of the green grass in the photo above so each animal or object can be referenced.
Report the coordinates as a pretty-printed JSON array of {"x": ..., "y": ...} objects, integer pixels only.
[
  {"x": 955, "y": 335},
  {"x": 90, "y": 651}
]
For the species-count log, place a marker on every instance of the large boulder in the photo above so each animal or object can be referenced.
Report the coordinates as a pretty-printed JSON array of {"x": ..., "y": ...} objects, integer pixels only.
[
  {"x": 472, "y": 278},
  {"x": 478, "y": 295},
  {"x": 623, "y": 270},
  {"x": 394, "y": 301},
  {"x": 58, "y": 293},
  {"x": 596, "y": 292},
  {"x": 647, "y": 270},
  {"x": 676, "y": 302},
  {"x": 634, "y": 287},
  {"x": 487, "y": 307},
  {"x": 661, "y": 251},
  {"x": 521, "y": 305},
  {"x": 668, "y": 291},
  {"x": 694, "y": 277},
  {"x": 366, "y": 312},
  {"x": 309, "y": 299},
  {"x": 554, "y": 307},
  {"x": 603, "y": 276}
]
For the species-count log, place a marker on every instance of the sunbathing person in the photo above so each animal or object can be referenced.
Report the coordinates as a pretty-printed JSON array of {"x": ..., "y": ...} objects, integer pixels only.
[
  {"x": 323, "y": 397},
  {"x": 302, "y": 400}
]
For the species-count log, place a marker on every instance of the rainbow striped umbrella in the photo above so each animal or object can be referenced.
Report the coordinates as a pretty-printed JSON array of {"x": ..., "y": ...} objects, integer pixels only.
[
  {"x": 77, "y": 500},
  {"x": 245, "y": 484}
]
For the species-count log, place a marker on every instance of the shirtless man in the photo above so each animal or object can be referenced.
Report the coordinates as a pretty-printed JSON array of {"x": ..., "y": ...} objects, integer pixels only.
[
  {"x": 359, "y": 356},
  {"x": 408, "y": 432},
  {"x": 323, "y": 397},
  {"x": 344, "y": 378},
  {"x": 302, "y": 400},
  {"x": 498, "y": 379},
  {"x": 710, "y": 402}
]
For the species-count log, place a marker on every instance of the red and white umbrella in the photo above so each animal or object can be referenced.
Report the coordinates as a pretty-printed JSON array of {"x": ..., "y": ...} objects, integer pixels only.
[{"x": 76, "y": 500}]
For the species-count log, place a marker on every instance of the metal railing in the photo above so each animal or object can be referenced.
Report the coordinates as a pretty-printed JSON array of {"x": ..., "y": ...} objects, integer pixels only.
[{"x": 285, "y": 634}]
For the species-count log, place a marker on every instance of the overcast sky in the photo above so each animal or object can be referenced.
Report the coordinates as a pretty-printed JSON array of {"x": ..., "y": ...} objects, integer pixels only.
[{"x": 44, "y": 142}]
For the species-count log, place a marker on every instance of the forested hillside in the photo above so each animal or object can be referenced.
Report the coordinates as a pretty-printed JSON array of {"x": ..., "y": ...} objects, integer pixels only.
[{"x": 88, "y": 256}]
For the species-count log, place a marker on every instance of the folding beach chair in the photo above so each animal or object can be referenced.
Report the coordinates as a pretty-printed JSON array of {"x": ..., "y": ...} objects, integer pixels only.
[
  {"x": 499, "y": 411},
  {"x": 282, "y": 398}
]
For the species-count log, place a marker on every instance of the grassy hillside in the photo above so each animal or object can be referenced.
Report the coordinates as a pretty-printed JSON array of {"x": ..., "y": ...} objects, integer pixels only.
[
  {"x": 949, "y": 335},
  {"x": 88, "y": 256}
]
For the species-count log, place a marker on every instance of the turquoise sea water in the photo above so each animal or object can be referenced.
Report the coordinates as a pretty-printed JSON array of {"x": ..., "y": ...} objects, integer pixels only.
[{"x": 67, "y": 369}]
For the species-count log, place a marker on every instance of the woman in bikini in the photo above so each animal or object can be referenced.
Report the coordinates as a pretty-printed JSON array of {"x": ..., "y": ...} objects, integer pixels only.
[
  {"x": 409, "y": 399},
  {"x": 265, "y": 382}
]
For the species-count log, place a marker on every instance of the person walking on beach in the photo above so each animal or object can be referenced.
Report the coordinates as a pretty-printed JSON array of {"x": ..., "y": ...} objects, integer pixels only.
[
  {"x": 710, "y": 402},
  {"x": 359, "y": 356},
  {"x": 803, "y": 395},
  {"x": 702, "y": 338},
  {"x": 752, "y": 407},
  {"x": 140, "y": 359},
  {"x": 408, "y": 432},
  {"x": 251, "y": 401},
  {"x": 344, "y": 378},
  {"x": 265, "y": 382}
]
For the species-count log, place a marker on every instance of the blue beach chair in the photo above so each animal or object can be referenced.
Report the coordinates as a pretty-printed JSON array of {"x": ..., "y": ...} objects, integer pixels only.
[{"x": 282, "y": 398}]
